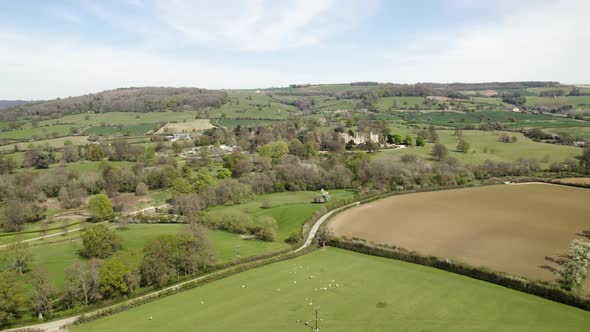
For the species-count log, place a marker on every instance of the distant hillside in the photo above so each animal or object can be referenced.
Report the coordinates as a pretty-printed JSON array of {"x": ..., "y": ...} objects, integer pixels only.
[
  {"x": 143, "y": 99},
  {"x": 4, "y": 104}
]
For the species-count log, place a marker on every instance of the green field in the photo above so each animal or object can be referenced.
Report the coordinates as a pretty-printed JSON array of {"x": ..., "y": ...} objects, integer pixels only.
[
  {"x": 485, "y": 145},
  {"x": 60, "y": 252},
  {"x": 136, "y": 129},
  {"x": 578, "y": 102},
  {"x": 52, "y": 142},
  {"x": 290, "y": 209},
  {"x": 373, "y": 294},
  {"x": 122, "y": 118},
  {"x": 38, "y": 133}
]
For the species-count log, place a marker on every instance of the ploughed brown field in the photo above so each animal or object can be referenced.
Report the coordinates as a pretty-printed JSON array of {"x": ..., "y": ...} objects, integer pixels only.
[
  {"x": 575, "y": 180},
  {"x": 519, "y": 229}
]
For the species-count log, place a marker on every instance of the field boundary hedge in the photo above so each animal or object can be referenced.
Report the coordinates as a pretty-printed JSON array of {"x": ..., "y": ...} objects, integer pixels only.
[
  {"x": 537, "y": 288},
  {"x": 186, "y": 285}
]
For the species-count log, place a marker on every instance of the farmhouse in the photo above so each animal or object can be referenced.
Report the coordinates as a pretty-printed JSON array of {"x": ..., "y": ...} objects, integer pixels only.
[
  {"x": 178, "y": 137},
  {"x": 360, "y": 138}
]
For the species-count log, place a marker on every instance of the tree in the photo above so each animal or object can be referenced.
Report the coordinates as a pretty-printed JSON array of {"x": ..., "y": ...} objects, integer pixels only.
[
  {"x": 194, "y": 249},
  {"x": 158, "y": 266},
  {"x": 408, "y": 140},
  {"x": 115, "y": 277},
  {"x": 585, "y": 160},
  {"x": 10, "y": 297},
  {"x": 463, "y": 146},
  {"x": 420, "y": 141},
  {"x": 20, "y": 257},
  {"x": 439, "y": 151},
  {"x": 432, "y": 134},
  {"x": 202, "y": 180},
  {"x": 141, "y": 189},
  {"x": 99, "y": 241},
  {"x": 95, "y": 152},
  {"x": 70, "y": 154},
  {"x": 266, "y": 228},
  {"x": 176, "y": 148},
  {"x": 574, "y": 271},
  {"x": 100, "y": 207},
  {"x": 181, "y": 186},
  {"x": 275, "y": 151},
  {"x": 82, "y": 283},
  {"x": 42, "y": 300}
]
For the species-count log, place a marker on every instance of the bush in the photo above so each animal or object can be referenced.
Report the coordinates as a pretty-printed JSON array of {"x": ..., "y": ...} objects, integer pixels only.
[
  {"x": 141, "y": 189},
  {"x": 100, "y": 207}
]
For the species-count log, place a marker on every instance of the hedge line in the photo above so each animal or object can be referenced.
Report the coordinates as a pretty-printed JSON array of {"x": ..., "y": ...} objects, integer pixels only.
[
  {"x": 537, "y": 288},
  {"x": 207, "y": 278}
]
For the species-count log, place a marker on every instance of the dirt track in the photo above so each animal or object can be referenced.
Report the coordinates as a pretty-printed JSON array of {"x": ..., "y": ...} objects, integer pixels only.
[{"x": 515, "y": 229}]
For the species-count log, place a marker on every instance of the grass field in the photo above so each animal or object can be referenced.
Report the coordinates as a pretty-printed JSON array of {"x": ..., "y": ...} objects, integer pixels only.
[
  {"x": 578, "y": 102},
  {"x": 577, "y": 132},
  {"x": 290, "y": 209},
  {"x": 485, "y": 145},
  {"x": 185, "y": 127},
  {"x": 38, "y": 133},
  {"x": 506, "y": 228},
  {"x": 52, "y": 142},
  {"x": 58, "y": 253},
  {"x": 122, "y": 118},
  {"x": 373, "y": 294}
]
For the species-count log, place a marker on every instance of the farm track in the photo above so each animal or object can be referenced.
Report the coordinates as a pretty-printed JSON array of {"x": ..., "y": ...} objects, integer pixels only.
[
  {"x": 61, "y": 324},
  {"x": 77, "y": 229}
]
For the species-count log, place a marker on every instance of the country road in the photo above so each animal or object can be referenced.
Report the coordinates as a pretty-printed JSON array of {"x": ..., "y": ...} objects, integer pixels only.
[{"x": 60, "y": 324}]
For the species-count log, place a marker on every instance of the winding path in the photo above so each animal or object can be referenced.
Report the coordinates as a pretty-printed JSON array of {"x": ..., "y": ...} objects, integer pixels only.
[
  {"x": 60, "y": 324},
  {"x": 149, "y": 208}
]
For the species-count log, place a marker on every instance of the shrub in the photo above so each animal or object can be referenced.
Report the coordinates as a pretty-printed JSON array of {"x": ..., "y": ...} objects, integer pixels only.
[{"x": 141, "y": 189}]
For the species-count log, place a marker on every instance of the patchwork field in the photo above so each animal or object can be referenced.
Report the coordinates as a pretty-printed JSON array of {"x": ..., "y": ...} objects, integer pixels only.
[
  {"x": 519, "y": 229},
  {"x": 354, "y": 292}
]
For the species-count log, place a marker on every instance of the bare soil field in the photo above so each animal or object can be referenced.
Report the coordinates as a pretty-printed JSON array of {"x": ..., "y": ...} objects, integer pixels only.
[
  {"x": 185, "y": 127},
  {"x": 575, "y": 180},
  {"x": 520, "y": 229}
]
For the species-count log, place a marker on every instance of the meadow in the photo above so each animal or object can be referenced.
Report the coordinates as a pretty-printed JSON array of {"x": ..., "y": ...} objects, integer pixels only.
[
  {"x": 57, "y": 253},
  {"x": 518, "y": 229},
  {"x": 185, "y": 127},
  {"x": 484, "y": 145},
  {"x": 289, "y": 209},
  {"x": 354, "y": 292}
]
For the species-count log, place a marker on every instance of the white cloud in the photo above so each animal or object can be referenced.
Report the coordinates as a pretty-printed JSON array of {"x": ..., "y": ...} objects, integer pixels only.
[
  {"x": 543, "y": 42},
  {"x": 247, "y": 25},
  {"x": 38, "y": 69}
]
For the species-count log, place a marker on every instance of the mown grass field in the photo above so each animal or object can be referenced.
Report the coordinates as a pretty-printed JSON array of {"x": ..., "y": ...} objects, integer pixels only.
[
  {"x": 57, "y": 253},
  {"x": 185, "y": 127},
  {"x": 519, "y": 229},
  {"x": 485, "y": 146},
  {"x": 373, "y": 294},
  {"x": 290, "y": 209}
]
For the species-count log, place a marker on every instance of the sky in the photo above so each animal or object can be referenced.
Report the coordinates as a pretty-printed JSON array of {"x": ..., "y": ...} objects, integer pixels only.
[{"x": 62, "y": 48}]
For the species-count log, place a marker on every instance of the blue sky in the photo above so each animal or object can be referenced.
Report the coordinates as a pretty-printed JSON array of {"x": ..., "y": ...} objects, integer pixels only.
[{"x": 63, "y": 48}]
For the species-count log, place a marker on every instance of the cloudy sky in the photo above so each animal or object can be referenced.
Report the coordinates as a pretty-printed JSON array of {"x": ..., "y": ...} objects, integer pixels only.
[{"x": 63, "y": 48}]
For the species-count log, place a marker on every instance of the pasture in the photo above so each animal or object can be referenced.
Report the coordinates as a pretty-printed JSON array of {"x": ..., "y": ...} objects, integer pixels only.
[
  {"x": 52, "y": 143},
  {"x": 354, "y": 292},
  {"x": 57, "y": 253},
  {"x": 185, "y": 127},
  {"x": 518, "y": 229},
  {"x": 289, "y": 209},
  {"x": 484, "y": 145}
]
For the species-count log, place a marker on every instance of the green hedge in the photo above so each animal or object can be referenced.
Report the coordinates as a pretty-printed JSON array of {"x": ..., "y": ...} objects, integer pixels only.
[
  {"x": 207, "y": 278},
  {"x": 537, "y": 288}
]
